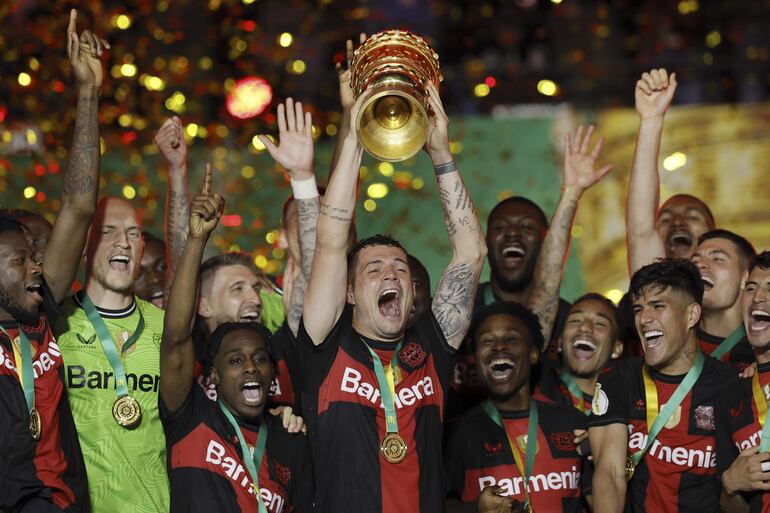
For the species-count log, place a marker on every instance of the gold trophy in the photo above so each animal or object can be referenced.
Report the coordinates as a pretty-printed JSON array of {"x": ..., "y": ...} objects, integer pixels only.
[{"x": 393, "y": 68}]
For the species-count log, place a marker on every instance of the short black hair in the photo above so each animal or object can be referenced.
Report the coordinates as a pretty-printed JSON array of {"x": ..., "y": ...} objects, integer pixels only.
[
  {"x": 761, "y": 260},
  {"x": 374, "y": 240},
  {"x": 520, "y": 200},
  {"x": 677, "y": 274},
  {"x": 594, "y": 296},
  {"x": 745, "y": 249},
  {"x": 516, "y": 310},
  {"x": 10, "y": 223},
  {"x": 215, "y": 339}
]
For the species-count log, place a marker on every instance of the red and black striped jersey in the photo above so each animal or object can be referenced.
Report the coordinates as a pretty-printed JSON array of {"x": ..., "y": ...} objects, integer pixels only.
[
  {"x": 740, "y": 356},
  {"x": 50, "y": 468},
  {"x": 678, "y": 472},
  {"x": 345, "y": 415},
  {"x": 478, "y": 455},
  {"x": 738, "y": 427},
  {"x": 205, "y": 465}
]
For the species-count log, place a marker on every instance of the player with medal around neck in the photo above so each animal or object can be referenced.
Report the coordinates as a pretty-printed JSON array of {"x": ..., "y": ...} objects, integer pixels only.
[{"x": 117, "y": 412}]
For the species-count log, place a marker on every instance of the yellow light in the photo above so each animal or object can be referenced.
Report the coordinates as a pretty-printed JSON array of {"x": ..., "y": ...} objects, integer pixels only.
[
  {"x": 128, "y": 70},
  {"x": 175, "y": 102},
  {"x": 260, "y": 260},
  {"x": 713, "y": 39},
  {"x": 708, "y": 59},
  {"x": 277, "y": 253},
  {"x": 285, "y": 39},
  {"x": 547, "y": 87},
  {"x": 455, "y": 147},
  {"x": 385, "y": 168},
  {"x": 481, "y": 90},
  {"x": 688, "y": 6},
  {"x": 29, "y": 192},
  {"x": 205, "y": 63},
  {"x": 377, "y": 190},
  {"x": 248, "y": 2},
  {"x": 125, "y": 120},
  {"x": 123, "y": 22},
  {"x": 154, "y": 83},
  {"x": 298, "y": 67},
  {"x": 221, "y": 130},
  {"x": 24, "y": 79},
  {"x": 418, "y": 183},
  {"x": 555, "y": 1},
  {"x": 675, "y": 161},
  {"x": 614, "y": 295},
  {"x": 129, "y": 192},
  {"x": 331, "y": 129},
  {"x": 271, "y": 237},
  {"x": 257, "y": 143},
  {"x": 234, "y": 248},
  {"x": 577, "y": 231},
  {"x": 248, "y": 172},
  {"x": 370, "y": 205},
  {"x": 31, "y": 136},
  {"x": 192, "y": 129},
  {"x": 34, "y": 64},
  {"x": 7, "y": 137}
]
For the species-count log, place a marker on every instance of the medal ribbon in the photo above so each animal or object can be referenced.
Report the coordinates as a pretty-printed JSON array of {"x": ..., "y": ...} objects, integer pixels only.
[
  {"x": 109, "y": 345},
  {"x": 387, "y": 384},
  {"x": 489, "y": 295},
  {"x": 656, "y": 420},
  {"x": 253, "y": 463},
  {"x": 531, "y": 449},
  {"x": 761, "y": 402},
  {"x": 729, "y": 343},
  {"x": 574, "y": 391},
  {"x": 25, "y": 371}
]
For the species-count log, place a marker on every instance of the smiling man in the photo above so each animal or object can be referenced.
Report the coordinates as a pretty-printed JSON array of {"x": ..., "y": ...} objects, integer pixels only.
[
  {"x": 110, "y": 340},
  {"x": 488, "y": 443},
  {"x": 652, "y": 430},
  {"x": 742, "y": 450},
  {"x": 373, "y": 391}
]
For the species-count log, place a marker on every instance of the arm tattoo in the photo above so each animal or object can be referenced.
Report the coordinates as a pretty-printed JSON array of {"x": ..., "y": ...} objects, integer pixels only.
[
  {"x": 453, "y": 303},
  {"x": 177, "y": 224},
  {"x": 343, "y": 215},
  {"x": 82, "y": 170},
  {"x": 443, "y": 169},
  {"x": 308, "y": 210}
]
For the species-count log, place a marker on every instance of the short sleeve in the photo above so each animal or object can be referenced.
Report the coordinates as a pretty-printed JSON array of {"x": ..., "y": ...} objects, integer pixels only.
[
  {"x": 610, "y": 402},
  {"x": 178, "y": 423},
  {"x": 315, "y": 360}
]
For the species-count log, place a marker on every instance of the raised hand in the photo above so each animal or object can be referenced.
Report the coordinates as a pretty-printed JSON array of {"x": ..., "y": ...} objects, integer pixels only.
[
  {"x": 295, "y": 140},
  {"x": 437, "y": 144},
  {"x": 654, "y": 92},
  {"x": 171, "y": 144},
  {"x": 84, "y": 53},
  {"x": 206, "y": 209},
  {"x": 490, "y": 501},
  {"x": 347, "y": 99},
  {"x": 579, "y": 172}
]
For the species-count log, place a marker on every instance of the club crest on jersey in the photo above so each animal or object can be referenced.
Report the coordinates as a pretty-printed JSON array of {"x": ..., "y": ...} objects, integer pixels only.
[
  {"x": 600, "y": 402},
  {"x": 120, "y": 338},
  {"x": 17, "y": 345},
  {"x": 521, "y": 441},
  {"x": 86, "y": 341},
  {"x": 493, "y": 449},
  {"x": 564, "y": 441},
  {"x": 412, "y": 355},
  {"x": 704, "y": 417},
  {"x": 675, "y": 417},
  {"x": 283, "y": 473}
]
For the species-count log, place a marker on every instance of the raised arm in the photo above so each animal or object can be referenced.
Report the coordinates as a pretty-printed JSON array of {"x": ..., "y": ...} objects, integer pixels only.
[
  {"x": 327, "y": 289},
  {"x": 456, "y": 289},
  {"x": 608, "y": 446},
  {"x": 578, "y": 176},
  {"x": 295, "y": 153},
  {"x": 81, "y": 177},
  {"x": 172, "y": 147},
  {"x": 346, "y": 99},
  {"x": 654, "y": 92},
  {"x": 177, "y": 354}
]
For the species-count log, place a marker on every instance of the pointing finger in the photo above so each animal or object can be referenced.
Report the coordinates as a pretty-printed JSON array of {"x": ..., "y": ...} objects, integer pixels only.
[
  {"x": 207, "y": 179},
  {"x": 72, "y": 27}
]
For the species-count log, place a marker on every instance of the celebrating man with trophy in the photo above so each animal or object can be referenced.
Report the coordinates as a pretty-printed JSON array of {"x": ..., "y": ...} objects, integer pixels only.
[{"x": 374, "y": 391}]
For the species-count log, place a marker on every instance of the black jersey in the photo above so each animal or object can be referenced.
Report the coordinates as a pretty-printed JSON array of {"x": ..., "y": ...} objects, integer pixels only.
[
  {"x": 551, "y": 388},
  {"x": 344, "y": 412},
  {"x": 50, "y": 469},
  {"x": 206, "y": 469},
  {"x": 478, "y": 455},
  {"x": 678, "y": 472},
  {"x": 740, "y": 356},
  {"x": 738, "y": 427}
]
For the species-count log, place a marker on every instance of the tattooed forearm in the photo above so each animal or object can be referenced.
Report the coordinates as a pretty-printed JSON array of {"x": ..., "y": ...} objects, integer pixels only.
[
  {"x": 82, "y": 172},
  {"x": 177, "y": 220},
  {"x": 544, "y": 301},
  {"x": 453, "y": 302},
  {"x": 308, "y": 210},
  {"x": 343, "y": 215}
]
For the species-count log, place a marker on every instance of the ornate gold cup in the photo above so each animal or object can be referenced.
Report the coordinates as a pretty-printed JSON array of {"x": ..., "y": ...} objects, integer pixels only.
[{"x": 393, "y": 68}]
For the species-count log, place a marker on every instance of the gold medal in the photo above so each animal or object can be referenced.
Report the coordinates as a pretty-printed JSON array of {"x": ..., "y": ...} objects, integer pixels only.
[
  {"x": 127, "y": 412},
  {"x": 35, "y": 425},
  {"x": 630, "y": 467},
  {"x": 393, "y": 448}
]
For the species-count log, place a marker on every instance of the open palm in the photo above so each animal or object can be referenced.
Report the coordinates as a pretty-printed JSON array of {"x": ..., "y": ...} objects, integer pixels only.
[
  {"x": 295, "y": 139},
  {"x": 579, "y": 163}
]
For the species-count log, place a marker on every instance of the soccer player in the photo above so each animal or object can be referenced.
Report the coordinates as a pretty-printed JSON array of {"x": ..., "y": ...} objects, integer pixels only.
[
  {"x": 652, "y": 424},
  {"x": 741, "y": 411},
  {"x": 37, "y": 229},
  {"x": 373, "y": 393},
  {"x": 591, "y": 331},
  {"x": 511, "y": 439},
  {"x": 221, "y": 453},
  {"x": 655, "y": 231},
  {"x": 150, "y": 284},
  {"x": 722, "y": 257},
  {"x": 42, "y": 467}
]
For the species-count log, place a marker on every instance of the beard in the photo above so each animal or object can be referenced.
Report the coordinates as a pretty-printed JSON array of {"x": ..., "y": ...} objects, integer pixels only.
[
  {"x": 15, "y": 308},
  {"x": 522, "y": 277}
]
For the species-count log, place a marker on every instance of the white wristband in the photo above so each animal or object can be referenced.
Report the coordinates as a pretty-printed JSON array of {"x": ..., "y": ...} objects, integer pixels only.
[{"x": 304, "y": 189}]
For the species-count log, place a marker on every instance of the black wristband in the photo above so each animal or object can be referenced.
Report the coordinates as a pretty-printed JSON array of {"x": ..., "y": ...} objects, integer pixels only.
[{"x": 443, "y": 169}]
